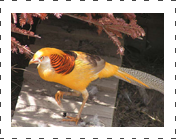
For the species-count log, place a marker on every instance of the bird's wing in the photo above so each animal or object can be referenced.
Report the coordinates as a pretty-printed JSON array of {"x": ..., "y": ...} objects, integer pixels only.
[
  {"x": 94, "y": 62},
  {"x": 66, "y": 63}
]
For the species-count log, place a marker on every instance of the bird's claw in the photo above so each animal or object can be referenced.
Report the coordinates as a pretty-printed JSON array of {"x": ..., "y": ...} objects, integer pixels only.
[{"x": 71, "y": 119}]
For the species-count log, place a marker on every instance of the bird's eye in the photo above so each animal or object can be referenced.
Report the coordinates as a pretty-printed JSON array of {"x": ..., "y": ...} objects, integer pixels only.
[{"x": 41, "y": 57}]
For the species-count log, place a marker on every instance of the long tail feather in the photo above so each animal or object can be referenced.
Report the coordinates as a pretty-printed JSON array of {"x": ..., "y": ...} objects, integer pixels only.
[{"x": 140, "y": 78}]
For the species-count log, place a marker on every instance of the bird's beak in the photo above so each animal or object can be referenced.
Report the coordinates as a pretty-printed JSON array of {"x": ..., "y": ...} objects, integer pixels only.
[{"x": 33, "y": 61}]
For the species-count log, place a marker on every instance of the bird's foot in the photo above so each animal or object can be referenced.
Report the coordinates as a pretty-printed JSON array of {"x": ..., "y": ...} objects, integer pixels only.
[
  {"x": 71, "y": 119},
  {"x": 58, "y": 97}
]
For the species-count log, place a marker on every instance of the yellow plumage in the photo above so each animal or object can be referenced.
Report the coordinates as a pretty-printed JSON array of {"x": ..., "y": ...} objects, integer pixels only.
[{"x": 77, "y": 70}]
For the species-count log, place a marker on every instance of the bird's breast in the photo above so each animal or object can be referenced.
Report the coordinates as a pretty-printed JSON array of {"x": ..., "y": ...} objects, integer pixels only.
[
  {"x": 78, "y": 79},
  {"x": 46, "y": 72}
]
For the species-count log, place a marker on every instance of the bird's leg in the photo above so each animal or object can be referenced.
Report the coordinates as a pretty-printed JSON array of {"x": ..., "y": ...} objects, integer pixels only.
[
  {"x": 85, "y": 96},
  {"x": 60, "y": 94}
]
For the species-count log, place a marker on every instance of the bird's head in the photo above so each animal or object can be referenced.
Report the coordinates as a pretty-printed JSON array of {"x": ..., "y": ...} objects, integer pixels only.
[{"x": 42, "y": 55}]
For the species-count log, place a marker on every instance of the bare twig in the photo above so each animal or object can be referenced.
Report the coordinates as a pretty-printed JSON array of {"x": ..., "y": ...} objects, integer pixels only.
[
  {"x": 23, "y": 70},
  {"x": 15, "y": 29}
]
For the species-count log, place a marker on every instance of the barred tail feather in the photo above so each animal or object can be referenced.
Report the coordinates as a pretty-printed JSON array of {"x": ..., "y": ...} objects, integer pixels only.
[{"x": 140, "y": 78}]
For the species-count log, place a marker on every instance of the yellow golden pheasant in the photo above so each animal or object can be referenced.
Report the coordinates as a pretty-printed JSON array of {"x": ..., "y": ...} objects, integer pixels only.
[{"x": 77, "y": 70}]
